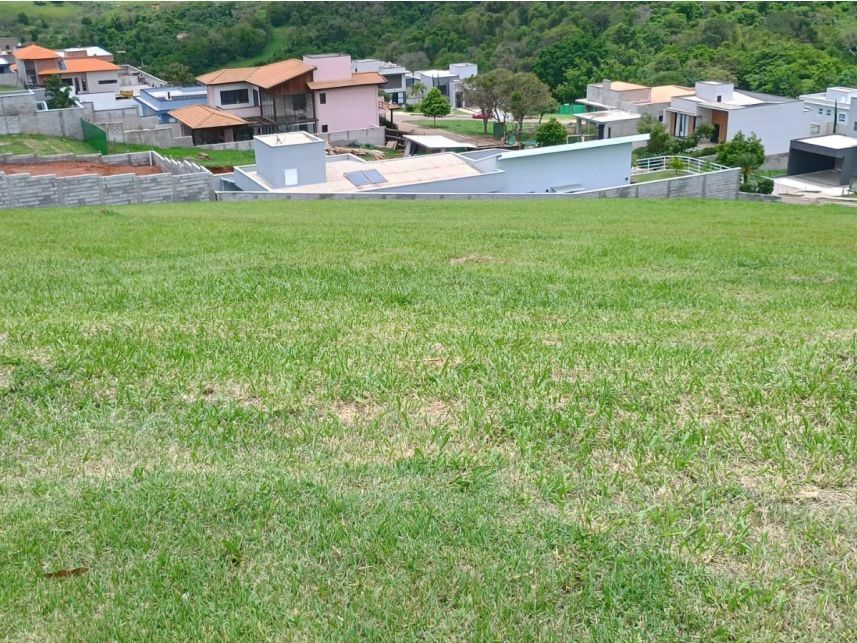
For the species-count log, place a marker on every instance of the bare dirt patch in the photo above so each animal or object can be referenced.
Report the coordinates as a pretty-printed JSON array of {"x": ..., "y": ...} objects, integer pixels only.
[
  {"x": 474, "y": 258},
  {"x": 77, "y": 168}
]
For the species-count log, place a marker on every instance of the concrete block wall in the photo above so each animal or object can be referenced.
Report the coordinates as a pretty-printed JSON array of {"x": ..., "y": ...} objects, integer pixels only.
[
  {"x": 368, "y": 136},
  {"x": 722, "y": 184},
  {"x": 80, "y": 190},
  {"x": 180, "y": 181}
]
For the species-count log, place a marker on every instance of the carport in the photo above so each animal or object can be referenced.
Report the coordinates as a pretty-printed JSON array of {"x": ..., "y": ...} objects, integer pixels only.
[{"x": 831, "y": 160}]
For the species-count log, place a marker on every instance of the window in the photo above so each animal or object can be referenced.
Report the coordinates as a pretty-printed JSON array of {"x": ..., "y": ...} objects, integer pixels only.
[
  {"x": 322, "y": 99},
  {"x": 234, "y": 97},
  {"x": 828, "y": 112},
  {"x": 323, "y": 129},
  {"x": 661, "y": 118},
  {"x": 841, "y": 117},
  {"x": 112, "y": 81},
  {"x": 855, "y": 126},
  {"x": 720, "y": 99},
  {"x": 290, "y": 176},
  {"x": 820, "y": 110}
]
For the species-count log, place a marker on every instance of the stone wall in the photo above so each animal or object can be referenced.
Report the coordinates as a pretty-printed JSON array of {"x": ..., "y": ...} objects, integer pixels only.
[
  {"x": 9, "y": 79},
  {"x": 180, "y": 181},
  {"x": 714, "y": 185}
]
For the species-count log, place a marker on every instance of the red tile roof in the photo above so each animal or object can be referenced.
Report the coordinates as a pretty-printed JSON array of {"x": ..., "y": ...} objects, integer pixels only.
[
  {"x": 35, "y": 52},
  {"x": 81, "y": 66},
  {"x": 204, "y": 117},
  {"x": 265, "y": 77}
]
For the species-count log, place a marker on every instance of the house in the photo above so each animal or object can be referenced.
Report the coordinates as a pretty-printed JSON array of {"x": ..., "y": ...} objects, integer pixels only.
[
  {"x": 630, "y": 97},
  {"x": 611, "y": 123},
  {"x": 207, "y": 125},
  {"x": 87, "y": 70},
  {"x": 344, "y": 100},
  {"x": 31, "y": 61},
  {"x": 433, "y": 145},
  {"x": 273, "y": 96},
  {"x": 395, "y": 88},
  {"x": 319, "y": 94},
  {"x": 160, "y": 101},
  {"x": 8, "y": 44},
  {"x": 6, "y": 62},
  {"x": 296, "y": 163},
  {"x": 448, "y": 81},
  {"x": 833, "y": 111},
  {"x": 775, "y": 120},
  {"x": 829, "y": 160}
]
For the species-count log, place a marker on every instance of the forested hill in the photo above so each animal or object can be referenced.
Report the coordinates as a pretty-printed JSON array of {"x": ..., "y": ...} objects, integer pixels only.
[{"x": 778, "y": 47}]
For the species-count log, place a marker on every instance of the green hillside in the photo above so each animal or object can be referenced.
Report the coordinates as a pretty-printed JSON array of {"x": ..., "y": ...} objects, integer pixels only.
[
  {"x": 565, "y": 420},
  {"x": 778, "y": 47}
]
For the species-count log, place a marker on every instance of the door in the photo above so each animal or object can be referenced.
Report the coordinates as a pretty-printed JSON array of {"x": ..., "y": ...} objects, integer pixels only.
[{"x": 715, "y": 136}]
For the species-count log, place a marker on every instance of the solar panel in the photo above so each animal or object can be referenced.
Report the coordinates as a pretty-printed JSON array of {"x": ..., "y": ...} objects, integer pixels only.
[
  {"x": 357, "y": 178},
  {"x": 375, "y": 176}
]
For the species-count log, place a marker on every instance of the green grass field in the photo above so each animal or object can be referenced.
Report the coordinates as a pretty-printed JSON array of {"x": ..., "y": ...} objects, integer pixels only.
[
  {"x": 43, "y": 145},
  {"x": 567, "y": 420},
  {"x": 470, "y": 127}
]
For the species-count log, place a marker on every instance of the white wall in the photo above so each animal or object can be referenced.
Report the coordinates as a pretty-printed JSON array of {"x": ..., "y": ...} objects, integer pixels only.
[
  {"x": 776, "y": 124},
  {"x": 243, "y": 109},
  {"x": 93, "y": 77},
  {"x": 591, "y": 168}
]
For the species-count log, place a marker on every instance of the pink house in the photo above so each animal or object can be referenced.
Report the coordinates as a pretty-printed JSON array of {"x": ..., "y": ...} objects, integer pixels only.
[{"x": 343, "y": 100}]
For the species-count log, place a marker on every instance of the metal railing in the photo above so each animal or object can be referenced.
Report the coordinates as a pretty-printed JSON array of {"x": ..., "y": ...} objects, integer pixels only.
[{"x": 690, "y": 165}]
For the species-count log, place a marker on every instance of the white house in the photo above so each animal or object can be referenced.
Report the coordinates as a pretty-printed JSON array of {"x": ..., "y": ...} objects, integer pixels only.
[
  {"x": 448, "y": 81},
  {"x": 296, "y": 163},
  {"x": 831, "y": 112},
  {"x": 776, "y": 120}
]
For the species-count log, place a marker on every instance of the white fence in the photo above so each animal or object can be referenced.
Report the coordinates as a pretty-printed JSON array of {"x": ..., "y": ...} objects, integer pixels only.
[{"x": 690, "y": 165}]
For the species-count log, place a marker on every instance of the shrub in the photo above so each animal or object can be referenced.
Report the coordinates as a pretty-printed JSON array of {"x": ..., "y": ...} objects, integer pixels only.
[{"x": 550, "y": 133}]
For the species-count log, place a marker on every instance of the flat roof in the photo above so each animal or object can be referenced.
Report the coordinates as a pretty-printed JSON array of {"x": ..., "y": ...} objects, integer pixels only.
[
  {"x": 831, "y": 141},
  {"x": 409, "y": 170},
  {"x": 605, "y": 142},
  {"x": 438, "y": 73},
  {"x": 437, "y": 142},
  {"x": 608, "y": 116},
  {"x": 357, "y": 79},
  {"x": 287, "y": 138}
]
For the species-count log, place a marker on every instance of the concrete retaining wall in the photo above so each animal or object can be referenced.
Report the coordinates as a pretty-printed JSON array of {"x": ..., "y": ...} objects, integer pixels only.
[
  {"x": 368, "y": 136},
  {"x": 180, "y": 181},
  {"x": 234, "y": 145},
  {"x": 714, "y": 185},
  {"x": 18, "y": 115},
  {"x": 9, "y": 79}
]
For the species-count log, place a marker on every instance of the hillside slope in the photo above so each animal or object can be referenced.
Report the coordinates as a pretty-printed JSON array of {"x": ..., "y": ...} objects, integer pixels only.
[{"x": 617, "y": 420}]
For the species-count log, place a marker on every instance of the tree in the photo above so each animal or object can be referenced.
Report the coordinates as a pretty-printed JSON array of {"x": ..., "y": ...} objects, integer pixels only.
[
  {"x": 741, "y": 151},
  {"x": 659, "y": 138},
  {"x": 486, "y": 91},
  {"x": 702, "y": 132},
  {"x": 417, "y": 90},
  {"x": 676, "y": 164},
  {"x": 523, "y": 95},
  {"x": 435, "y": 104},
  {"x": 550, "y": 133},
  {"x": 178, "y": 74},
  {"x": 58, "y": 95}
]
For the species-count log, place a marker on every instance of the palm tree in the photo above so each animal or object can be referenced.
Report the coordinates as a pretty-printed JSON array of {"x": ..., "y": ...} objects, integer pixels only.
[{"x": 417, "y": 90}]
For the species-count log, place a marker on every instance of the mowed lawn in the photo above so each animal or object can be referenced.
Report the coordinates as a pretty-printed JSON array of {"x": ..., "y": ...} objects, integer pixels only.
[{"x": 565, "y": 420}]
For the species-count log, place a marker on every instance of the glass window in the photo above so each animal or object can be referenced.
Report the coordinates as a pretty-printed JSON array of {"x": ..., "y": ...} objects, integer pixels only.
[
  {"x": 323, "y": 129},
  {"x": 841, "y": 117},
  {"x": 322, "y": 99},
  {"x": 234, "y": 97}
]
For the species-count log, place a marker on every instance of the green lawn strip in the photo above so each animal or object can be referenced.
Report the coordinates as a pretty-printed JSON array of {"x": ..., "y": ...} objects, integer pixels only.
[
  {"x": 555, "y": 420},
  {"x": 42, "y": 145},
  {"x": 470, "y": 127}
]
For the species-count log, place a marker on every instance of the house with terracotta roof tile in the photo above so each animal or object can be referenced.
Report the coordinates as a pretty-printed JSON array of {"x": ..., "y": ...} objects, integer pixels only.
[
  {"x": 319, "y": 94},
  {"x": 88, "y": 70}
]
